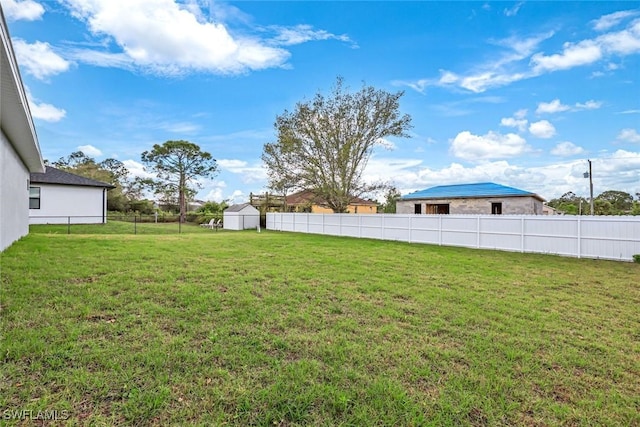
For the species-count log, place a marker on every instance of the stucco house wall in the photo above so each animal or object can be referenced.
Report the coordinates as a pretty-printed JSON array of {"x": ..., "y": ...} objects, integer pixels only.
[
  {"x": 307, "y": 201},
  {"x": 524, "y": 205},
  {"x": 359, "y": 209},
  {"x": 61, "y": 204},
  {"x": 14, "y": 195}
]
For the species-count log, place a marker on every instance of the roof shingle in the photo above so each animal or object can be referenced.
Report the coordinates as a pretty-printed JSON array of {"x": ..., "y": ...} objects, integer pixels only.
[{"x": 57, "y": 176}]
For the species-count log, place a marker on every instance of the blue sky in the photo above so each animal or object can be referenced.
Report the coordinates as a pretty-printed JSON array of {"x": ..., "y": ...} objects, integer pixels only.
[{"x": 517, "y": 93}]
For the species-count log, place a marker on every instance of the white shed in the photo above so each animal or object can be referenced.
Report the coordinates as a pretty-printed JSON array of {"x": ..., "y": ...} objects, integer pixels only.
[{"x": 241, "y": 217}]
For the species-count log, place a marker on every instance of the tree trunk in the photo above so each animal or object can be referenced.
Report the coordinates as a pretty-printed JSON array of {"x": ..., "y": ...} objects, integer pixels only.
[{"x": 182, "y": 200}]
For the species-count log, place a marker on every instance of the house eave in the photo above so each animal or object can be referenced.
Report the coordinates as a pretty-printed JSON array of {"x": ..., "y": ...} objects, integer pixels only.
[
  {"x": 16, "y": 122},
  {"x": 478, "y": 196}
]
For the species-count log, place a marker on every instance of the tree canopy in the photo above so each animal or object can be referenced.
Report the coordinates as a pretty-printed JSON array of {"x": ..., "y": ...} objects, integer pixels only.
[
  {"x": 324, "y": 144},
  {"x": 610, "y": 202},
  {"x": 177, "y": 165}
]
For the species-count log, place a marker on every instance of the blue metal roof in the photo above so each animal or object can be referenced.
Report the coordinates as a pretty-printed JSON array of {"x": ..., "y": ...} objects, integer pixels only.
[{"x": 482, "y": 189}]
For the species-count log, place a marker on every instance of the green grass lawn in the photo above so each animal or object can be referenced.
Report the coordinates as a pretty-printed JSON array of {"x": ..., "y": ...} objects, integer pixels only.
[{"x": 244, "y": 328}]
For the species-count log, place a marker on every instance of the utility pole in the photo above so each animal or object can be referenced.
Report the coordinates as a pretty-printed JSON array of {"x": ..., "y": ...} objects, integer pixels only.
[{"x": 590, "y": 187}]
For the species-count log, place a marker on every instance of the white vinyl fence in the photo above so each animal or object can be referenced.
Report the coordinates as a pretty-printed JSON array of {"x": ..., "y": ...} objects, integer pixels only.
[{"x": 606, "y": 237}]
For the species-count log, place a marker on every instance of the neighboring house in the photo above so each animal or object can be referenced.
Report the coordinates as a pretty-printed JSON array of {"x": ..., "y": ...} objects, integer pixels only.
[
  {"x": 59, "y": 197},
  {"x": 307, "y": 201},
  {"x": 241, "y": 217},
  {"x": 194, "y": 205},
  {"x": 548, "y": 210},
  {"x": 19, "y": 149},
  {"x": 481, "y": 198}
]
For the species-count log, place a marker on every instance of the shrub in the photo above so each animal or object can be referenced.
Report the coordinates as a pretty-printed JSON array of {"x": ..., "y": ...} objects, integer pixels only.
[{"x": 636, "y": 258}]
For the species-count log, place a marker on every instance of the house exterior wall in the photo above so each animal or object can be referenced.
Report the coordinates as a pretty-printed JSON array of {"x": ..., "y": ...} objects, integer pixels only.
[
  {"x": 14, "y": 195},
  {"x": 60, "y": 204},
  {"x": 476, "y": 206},
  {"x": 361, "y": 209}
]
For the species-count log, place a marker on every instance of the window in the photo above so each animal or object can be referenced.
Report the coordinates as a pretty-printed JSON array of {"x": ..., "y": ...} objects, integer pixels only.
[
  {"x": 438, "y": 209},
  {"x": 417, "y": 208},
  {"x": 496, "y": 208},
  {"x": 34, "y": 197}
]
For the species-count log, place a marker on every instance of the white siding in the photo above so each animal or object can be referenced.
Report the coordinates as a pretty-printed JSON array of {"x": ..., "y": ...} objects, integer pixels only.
[
  {"x": 243, "y": 220},
  {"x": 608, "y": 237},
  {"x": 14, "y": 195},
  {"x": 60, "y": 204}
]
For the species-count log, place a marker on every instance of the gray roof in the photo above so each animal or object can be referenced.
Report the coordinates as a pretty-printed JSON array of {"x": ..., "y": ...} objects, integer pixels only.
[
  {"x": 238, "y": 208},
  {"x": 56, "y": 176}
]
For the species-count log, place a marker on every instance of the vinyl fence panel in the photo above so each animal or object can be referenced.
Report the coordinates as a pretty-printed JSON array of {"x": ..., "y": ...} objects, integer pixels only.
[{"x": 607, "y": 237}]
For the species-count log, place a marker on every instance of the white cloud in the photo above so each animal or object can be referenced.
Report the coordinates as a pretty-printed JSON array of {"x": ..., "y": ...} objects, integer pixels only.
[
  {"x": 387, "y": 145},
  {"x": 517, "y": 121},
  {"x": 493, "y": 145},
  {"x": 173, "y": 38},
  {"x": 521, "y": 124},
  {"x": 250, "y": 174},
  {"x": 43, "y": 111},
  {"x": 39, "y": 60},
  {"x": 513, "y": 11},
  {"x": 288, "y": 36},
  {"x": 510, "y": 65},
  {"x": 585, "y": 52},
  {"x": 542, "y": 129},
  {"x": 520, "y": 114},
  {"x": 215, "y": 191},
  {"x": 495, "y": 73},
  {"x": 554, "y": 106},
  {"x": 566, "y": 149},
  {"x": 605, "y": 22},
  {"x": 136, "y": 169},
  {"x": 589, "y": 105},
  {"x": 163, "y": 37},
  {"x": 573, "y": 55},
  {"x": 27, "y": 10},
  {"x": 90, "y": 150},
  {"x": 180, "y": 127},
  {"x": 629, "y": 135}
]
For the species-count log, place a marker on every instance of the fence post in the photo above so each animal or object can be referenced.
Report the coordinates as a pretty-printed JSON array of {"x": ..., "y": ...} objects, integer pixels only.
[
  {"x": 68, "y": 225},
  {"x": 440, "y": 229},
  {"x": 579, "y": 237},
  {"x": 522, "y": 224},
  {"x": 478, "y": 232}
]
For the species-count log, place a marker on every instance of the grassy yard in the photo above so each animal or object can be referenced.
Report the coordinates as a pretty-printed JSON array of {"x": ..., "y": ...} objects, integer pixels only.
[{"x": 245, "y": 328}]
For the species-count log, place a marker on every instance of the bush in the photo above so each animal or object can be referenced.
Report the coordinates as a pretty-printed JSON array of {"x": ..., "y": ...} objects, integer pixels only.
[{"x": 636, "y": 258}]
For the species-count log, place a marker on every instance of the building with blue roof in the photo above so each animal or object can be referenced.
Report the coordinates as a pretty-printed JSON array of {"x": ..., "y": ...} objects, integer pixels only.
[{"x": 479, "y": 198}]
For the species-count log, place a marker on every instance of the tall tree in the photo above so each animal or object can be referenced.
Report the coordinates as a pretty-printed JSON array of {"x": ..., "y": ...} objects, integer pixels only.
[
  {"x": 391, "y": 198},
  {"x": 620, "y": 202},
  {"x": 177, "y": 165},
  {"x": 325, "y": 144}
]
